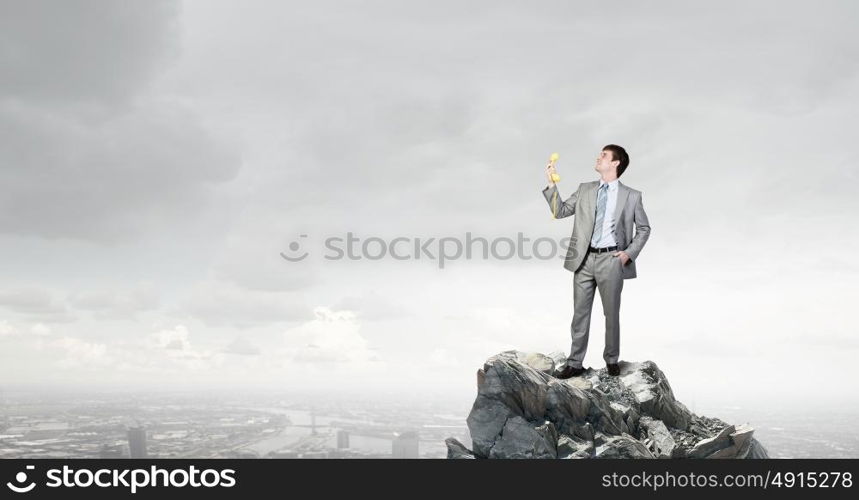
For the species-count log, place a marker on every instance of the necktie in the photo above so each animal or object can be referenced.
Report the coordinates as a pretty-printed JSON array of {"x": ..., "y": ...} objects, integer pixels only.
[{"x": 602, "y": 198}]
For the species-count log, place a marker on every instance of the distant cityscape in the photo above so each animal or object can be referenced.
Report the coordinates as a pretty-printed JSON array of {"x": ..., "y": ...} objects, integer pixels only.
[
  {"x": 798, "y": 433},
  {"x": 189, "y": 426},
  {"x": 113, "y": 425}
]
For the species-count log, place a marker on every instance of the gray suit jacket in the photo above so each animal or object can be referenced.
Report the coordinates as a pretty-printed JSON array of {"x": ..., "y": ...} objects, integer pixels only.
[{"x": 583, "y": 204}]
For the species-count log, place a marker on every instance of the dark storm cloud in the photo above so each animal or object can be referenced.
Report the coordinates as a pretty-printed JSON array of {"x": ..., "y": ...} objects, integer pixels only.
[
  {"x": 87, "y": 152},
  {"x": 83, "y": 50},
  {"x": 125, "y": 176},
  {"x": 415, "y": 114}
]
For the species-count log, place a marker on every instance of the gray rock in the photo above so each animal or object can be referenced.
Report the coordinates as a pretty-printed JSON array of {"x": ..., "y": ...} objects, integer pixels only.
[
  {"x": 570, "y": 407},
  {"x": 623, "y": 446},
  {"x": 455, "y": 449},
  {"x": 522, "y": 439},
  {"x": 630, "y": 416},
  {"x": 535, "y": 360},
  {"x": 523, "y": 411},
  {"x": 654, "y": 394},
  {"x": 656, "y": 437},
  {"x": 506, "y": 388},
  {"x": 757, "y": 450},
  {"x": 708, "y": 446},
  {"x": 705, "y": 427},
  {"x": 741, "y": 442},
  {"x": 575, "y": 447}
]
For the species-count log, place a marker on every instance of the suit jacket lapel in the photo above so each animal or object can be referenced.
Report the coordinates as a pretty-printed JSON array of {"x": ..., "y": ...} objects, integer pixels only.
[
  {"x": 592, "y": 200},
  {"x": 622, "y": 196}
]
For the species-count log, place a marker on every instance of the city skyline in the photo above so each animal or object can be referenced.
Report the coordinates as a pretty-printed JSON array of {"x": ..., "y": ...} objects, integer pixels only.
[{"x": 240, "y": 426}]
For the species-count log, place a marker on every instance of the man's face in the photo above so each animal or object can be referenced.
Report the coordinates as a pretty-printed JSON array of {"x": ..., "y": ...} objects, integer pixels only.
[{"x": 605, "y": 162}]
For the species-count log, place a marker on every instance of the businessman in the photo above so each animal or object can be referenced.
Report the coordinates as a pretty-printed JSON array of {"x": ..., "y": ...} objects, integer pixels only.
[{"x": 602, "y": 251}]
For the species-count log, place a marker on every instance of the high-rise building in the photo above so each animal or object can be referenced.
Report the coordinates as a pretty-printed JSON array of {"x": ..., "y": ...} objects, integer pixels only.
[
  {"x": 405, "y": 445},
  {"x": 137, "y": 442},
  {"x": 342, "y": 439}
]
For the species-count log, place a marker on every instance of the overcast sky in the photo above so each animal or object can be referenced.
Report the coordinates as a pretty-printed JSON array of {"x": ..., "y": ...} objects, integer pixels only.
[{"x": 156, "y": 158}]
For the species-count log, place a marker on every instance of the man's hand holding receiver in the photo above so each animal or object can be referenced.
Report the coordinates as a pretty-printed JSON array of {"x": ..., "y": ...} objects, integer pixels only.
[{"x": 550, "y": 169}]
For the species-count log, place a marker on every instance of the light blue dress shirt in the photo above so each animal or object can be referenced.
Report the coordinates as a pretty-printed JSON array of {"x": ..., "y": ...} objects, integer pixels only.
[{"x": 607, "y": 238}]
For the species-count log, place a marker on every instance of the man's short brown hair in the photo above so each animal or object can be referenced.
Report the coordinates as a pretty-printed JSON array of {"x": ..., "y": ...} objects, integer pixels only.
[{"x": 618, "y": 154}]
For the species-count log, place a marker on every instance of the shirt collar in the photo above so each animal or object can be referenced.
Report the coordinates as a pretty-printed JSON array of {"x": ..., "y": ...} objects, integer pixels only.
[{"x": 611, "y": 185}]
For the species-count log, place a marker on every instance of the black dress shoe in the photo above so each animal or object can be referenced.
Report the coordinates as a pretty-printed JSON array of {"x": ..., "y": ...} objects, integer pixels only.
[
  {"x": 613, "y": 369},
  {"x": 570, "y": 371}
]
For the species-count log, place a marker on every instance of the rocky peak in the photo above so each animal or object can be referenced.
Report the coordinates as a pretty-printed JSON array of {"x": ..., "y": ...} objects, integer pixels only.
[{"x": 523, "y": 411}]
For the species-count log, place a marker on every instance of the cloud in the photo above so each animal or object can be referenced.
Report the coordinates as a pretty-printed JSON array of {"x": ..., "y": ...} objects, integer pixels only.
[
  {"x": 223, "y": 304},
  {"x": 85, "y": 51},
  {"x": 116, "y": 304},
  {"x": 175, "y": 338},
  {"x": 43, "y": 305},
  {"x": 37, "y": 330},
  {"x": 37, "y": 304},
  {"x": 7, "y": 330},
  {"x": 372, "y": 306},
  {"x": 79, "y": 353},
  {"x": 443, "y": 358},
  {"x": 89, "y": 151},
  {"x": 332, "y": 338},
  {"x": 172, "y": 349},
  {"x": 125, "y": 178},
  {"x": 242, "y": 346},
  {"x": 40, "y": 329},
  {"x": 250, "y": 257}
]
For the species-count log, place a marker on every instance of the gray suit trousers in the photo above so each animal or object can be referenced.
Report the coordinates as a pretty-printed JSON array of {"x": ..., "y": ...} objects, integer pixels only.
[{"x": 598, "y": 271}]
